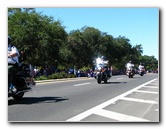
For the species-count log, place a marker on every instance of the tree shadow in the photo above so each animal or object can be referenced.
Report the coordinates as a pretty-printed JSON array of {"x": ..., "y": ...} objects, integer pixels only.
[{"x": 34, "y": 100}]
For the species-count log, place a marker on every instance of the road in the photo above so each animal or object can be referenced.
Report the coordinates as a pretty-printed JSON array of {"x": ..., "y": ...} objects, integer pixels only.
[{"x": 122, "y": 99}]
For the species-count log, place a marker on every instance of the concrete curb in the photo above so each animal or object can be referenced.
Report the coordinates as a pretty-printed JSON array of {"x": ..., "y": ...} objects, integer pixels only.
[{"x": 64, "y": 79}]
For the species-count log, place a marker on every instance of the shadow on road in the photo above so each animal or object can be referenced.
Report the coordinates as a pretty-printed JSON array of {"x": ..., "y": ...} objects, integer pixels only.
[
  {"x": 33, "y": 100},
  {"x": 114, "y": 83}
]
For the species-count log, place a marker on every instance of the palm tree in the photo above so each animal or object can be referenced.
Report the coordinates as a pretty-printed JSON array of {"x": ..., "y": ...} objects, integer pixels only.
[{"x": 139, "y": 49}]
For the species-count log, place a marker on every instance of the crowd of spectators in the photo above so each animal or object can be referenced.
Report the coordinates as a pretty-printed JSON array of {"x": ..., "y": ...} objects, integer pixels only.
[
  {"x": 118, "y": 72},
  {"x": 49, "y": 70}
]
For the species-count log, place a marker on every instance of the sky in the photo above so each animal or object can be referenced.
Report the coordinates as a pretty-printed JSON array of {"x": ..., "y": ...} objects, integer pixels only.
[{"x": 139, "y": 25}]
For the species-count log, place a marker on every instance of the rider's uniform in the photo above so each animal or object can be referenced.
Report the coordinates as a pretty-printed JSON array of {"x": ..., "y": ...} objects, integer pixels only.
[
  {"x": 140, "y": 67},
  {"x": 129, "y": 65},
  {"x": 12, "y": 60}
]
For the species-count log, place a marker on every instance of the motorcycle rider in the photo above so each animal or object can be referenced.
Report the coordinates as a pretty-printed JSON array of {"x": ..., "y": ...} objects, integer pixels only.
[
  {"x": 140, "y": 67},
  {"x": 129, "y": 65},
  {"x": 103, "y": 63},
  {"x": 13, "y": 61}
]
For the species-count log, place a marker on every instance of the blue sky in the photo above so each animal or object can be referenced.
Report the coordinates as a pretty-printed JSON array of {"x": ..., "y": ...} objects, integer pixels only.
[{"x": 139, "y": 25}]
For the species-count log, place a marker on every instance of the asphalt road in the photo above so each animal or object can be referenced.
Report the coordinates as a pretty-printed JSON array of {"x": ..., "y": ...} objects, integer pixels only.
[{"x": 122, "y": 99}]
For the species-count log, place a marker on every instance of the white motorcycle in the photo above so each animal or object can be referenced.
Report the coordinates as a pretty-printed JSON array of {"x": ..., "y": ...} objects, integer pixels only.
[
  {"x": 130, "y": 72},
  {"x": 141, "y": 71},
  {"x": 101, "y": 72}
]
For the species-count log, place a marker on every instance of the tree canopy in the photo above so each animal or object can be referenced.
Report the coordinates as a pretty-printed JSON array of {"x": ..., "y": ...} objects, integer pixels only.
[{"x": 46, "y": 42}]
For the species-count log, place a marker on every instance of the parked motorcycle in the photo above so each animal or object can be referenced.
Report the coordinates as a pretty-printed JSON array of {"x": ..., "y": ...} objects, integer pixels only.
[
  {"x": 130, "y": 72},
  {"x": 22, "y": 82}
]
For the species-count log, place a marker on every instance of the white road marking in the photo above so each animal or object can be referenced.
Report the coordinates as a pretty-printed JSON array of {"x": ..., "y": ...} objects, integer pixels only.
[
  {"x": 156, "y": 110},
  {"x": 85, "y": 114},
  {"x": 154, "y": 83},
  {"x": 82, "y": 84},
  {"x": 150, "y": 92},
  {"x": 151, "y": 87},
  {"x": 139, "y": 100},
  {"x": 119, "y": 116}
]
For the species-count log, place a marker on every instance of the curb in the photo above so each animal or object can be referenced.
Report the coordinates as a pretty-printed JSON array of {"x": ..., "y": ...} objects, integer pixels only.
[{"x": 64, "y": 79}]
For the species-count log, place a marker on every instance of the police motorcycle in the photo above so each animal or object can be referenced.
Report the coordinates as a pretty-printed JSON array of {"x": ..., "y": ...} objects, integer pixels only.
[
  {"x": 141, "y": 70},
  {"x": 22, "y": 82},
  {"x": 130, "y": 72},
  {"x": 101, "y": 72}
]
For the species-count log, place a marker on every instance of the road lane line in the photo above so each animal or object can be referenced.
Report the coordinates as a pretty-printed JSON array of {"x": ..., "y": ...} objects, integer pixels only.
[
  {"x": 139, "y": 100},
  {"x": 85, "y": 114},
  {"x": 82, "y": 84},
  {"x": 119, "y": 116}
]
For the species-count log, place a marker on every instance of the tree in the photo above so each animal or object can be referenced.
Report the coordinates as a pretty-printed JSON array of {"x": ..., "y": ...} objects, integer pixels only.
[
  {"x": 121, "y": 50},
  {"x": 46, "y": 42},
  {"x": 150, "y": 62},
  {"x": 85, "y": 45},
  {"x": 37, "y": 35}
]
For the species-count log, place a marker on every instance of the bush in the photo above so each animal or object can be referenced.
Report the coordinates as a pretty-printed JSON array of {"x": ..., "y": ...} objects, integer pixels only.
[
  {"x": 63, "y": 74},
  {"x": 56, "y": 76},
  {"x": 53, "y": 76},
  {"x": 71, "y": 76},
  {"x": 85, "y": 69},
  {"x": 41, "y": 78}
]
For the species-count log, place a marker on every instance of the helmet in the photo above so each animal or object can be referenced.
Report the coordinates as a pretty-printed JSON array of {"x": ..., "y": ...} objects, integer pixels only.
[
  {"x": 130, "y": 61},
  {"x": 103, "y": 57},
  {"x": 140, "y": 63}
]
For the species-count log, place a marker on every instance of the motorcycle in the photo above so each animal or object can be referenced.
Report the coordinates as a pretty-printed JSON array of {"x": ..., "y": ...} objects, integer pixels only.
[
  {"x": 130, "y": 72},
  {"x": 22, "y": 82},
  {"x": 101, "y": 73},
  {"x": 141, "y": 72}
]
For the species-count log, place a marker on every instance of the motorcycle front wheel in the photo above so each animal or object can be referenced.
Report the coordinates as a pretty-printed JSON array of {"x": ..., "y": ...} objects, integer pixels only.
[
  {"x": 99, "y": 79},
  {"x": 129, "y": 76}
]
